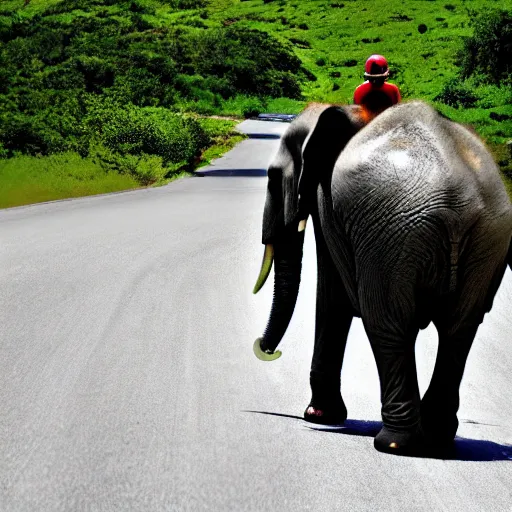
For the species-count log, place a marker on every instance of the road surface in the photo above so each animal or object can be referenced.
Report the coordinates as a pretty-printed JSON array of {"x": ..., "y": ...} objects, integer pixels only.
[{"x": 127, "y": 379}]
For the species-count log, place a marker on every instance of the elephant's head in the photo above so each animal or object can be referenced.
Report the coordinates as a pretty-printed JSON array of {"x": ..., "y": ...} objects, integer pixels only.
[{"x": 306, "y": 157}]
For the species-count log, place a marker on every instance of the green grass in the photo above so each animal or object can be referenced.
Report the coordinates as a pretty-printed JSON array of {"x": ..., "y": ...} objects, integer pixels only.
[
  {"x": 339, "y": 40},
  {"x": 217, "y": 150},
  {"x": 224, "y": 138},
  {"x": 334, "y": 42},
  {"x": 332, "y": 38},
  {"x": 33, "y": 7},
  {"x": 27, "y": 179}
]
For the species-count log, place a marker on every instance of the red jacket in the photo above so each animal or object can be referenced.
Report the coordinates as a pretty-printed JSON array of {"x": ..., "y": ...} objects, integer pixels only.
[{"x": 374, "y": 95}]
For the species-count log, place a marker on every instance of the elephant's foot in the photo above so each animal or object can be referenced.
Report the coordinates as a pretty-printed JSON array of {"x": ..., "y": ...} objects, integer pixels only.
[
  {"x": 403, "y": 442},
  {"x": 438, "y": 428},
  {"x": 333, "y": 415},
  {"x": 415, "y": 443}
]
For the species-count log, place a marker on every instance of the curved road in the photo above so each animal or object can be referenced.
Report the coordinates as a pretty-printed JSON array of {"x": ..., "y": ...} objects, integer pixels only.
[{"x": 127, "y": 379}]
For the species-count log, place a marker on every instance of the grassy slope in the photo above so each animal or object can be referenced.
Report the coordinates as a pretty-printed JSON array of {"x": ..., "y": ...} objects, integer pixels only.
[
  {"x": 343, "y": 34},
  {"x": 28, "y": 179},
  {"x": 333, "y": 39},
  {"x": 343, "y": 37}
]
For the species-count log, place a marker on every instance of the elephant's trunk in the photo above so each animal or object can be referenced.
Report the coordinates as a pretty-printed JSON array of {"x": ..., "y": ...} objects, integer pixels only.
[{"x": 287, "y": 267}]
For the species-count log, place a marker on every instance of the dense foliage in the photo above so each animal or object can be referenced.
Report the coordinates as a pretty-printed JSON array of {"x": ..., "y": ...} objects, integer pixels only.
[
  {"x": 123, "y": 81},
  {"x": 488, "y": 52},
  {"x": 84, "y": 73}
]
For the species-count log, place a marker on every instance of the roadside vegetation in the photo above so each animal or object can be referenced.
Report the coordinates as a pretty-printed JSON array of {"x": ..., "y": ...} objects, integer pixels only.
[{"x": 103, "y": 95}]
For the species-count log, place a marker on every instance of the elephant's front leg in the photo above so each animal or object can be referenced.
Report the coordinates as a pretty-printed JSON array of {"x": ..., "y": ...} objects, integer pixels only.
[{"x": 333, "y": 318}]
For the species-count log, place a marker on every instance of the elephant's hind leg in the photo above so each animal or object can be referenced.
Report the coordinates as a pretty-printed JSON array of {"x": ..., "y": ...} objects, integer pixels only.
[
  {"x": 400, "y": 397},
  {"x": 457, "y": 326},
  {"x": 390, "y": 317},
  {"x": 440, "y": 404}
]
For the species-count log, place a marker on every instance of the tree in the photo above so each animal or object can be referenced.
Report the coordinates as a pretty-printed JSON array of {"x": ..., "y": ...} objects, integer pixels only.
[{"x": 488, "y": 52}]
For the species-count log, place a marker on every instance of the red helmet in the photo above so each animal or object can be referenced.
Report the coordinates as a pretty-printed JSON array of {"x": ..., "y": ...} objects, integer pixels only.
[{"x": 376, "y": 67}]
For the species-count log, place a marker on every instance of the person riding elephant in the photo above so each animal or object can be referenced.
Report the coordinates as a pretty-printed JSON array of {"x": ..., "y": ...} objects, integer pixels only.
[
  {"x": 412, "y": 225},
  {"x": 376, "y": 94}
]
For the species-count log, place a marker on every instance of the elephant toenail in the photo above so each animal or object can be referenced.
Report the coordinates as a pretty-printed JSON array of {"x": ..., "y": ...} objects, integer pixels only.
[
  {"x": 314, "y": 412},
  {"x": 393, "y": 445}
]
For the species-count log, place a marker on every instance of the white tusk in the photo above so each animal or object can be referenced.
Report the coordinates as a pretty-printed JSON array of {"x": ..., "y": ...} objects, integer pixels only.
[
  {"x": 265, "y": 356},
  {"x": 302, "y": 225},
  {"x": 266, "y": 265}
]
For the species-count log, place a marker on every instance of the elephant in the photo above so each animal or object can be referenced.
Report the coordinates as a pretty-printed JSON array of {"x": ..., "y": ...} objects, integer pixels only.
[{"x": 412, "y": 225}]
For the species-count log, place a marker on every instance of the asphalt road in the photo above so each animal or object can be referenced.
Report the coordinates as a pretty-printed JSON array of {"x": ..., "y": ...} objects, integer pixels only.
[{"x": 127, "y": 379}]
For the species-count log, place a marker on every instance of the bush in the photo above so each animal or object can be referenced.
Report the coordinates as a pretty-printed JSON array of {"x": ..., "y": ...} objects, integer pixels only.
[
  {"x": 85, "y": 72},
  {"x": 189, "y": 4},
  {"x": 253, "y": 62},
  {"x": 488, "y": 52},
  {"x": 457, "y": 94},
  {"x": 26, "y": 134},
  {"x": 252, "y": 107},
  {"x": 132, "y": 130},
  {"x": 146, "y": 169},
  {"x": 97, "y": 72}
]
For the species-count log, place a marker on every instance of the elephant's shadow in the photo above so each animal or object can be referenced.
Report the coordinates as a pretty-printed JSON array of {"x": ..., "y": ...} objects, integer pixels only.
[{"x": 465, "y": 449}]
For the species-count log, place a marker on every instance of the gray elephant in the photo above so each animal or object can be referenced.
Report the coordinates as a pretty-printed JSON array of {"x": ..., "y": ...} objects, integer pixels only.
[{"x": 412, "y": 225}]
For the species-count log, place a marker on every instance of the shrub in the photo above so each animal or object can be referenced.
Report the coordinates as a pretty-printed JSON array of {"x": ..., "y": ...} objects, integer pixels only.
[
  {"x": 188, "y": 4},
  {"x": 254, "y": 62},
  {"x": 146, "y": 169},
  {"x": 24, "y": 134},
  {"x": 141, "y": 7},
  {"x": 300, "y": 43},
  {"x": 309, "y": 75},
  {"x": 488, "y": 52},
  {"x": 457, "y": 94},
  {"x": 252, "y": 107},
  {"x": 81, "y": 64},
  {"x": 97, "y": 72},
  {"x": 132, "y": 130}
]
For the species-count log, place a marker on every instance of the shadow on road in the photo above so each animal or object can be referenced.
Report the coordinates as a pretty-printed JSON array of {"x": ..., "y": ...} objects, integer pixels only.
[
  {"x": 263, "y": 135},
  {"x": 465, "y": 449},
  {"x": 233, "y": 172}
]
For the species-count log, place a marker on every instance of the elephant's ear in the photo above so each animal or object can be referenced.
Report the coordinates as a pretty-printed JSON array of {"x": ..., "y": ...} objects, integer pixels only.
[{"x": 334, "y": 128}]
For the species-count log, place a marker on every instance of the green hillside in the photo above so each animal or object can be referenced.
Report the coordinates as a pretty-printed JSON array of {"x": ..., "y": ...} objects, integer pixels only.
[{"x": 125, "y": 85}]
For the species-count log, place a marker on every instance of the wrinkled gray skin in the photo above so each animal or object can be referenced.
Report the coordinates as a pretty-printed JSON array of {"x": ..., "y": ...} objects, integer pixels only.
[{"x": 412, "y": 226}]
